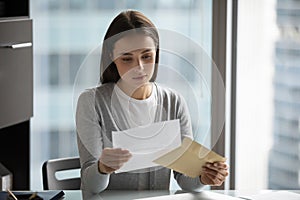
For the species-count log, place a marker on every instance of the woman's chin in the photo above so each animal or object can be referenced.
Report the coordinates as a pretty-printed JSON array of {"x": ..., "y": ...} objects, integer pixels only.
[{"x": 138, "y": 82}]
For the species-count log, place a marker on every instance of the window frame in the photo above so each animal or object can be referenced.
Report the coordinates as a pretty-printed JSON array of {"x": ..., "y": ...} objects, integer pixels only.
[{"x": 224, "y": 56}]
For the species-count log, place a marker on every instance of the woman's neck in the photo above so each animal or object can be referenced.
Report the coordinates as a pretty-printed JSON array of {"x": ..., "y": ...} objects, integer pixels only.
[{"x": 140, "y": 93}]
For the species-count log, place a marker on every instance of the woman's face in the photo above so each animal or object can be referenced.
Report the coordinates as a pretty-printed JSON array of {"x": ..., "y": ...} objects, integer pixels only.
[{"x": 134, "y": 56}]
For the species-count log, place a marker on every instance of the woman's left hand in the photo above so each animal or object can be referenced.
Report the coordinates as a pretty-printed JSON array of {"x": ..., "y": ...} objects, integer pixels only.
[{"x": 214, "y": 174}]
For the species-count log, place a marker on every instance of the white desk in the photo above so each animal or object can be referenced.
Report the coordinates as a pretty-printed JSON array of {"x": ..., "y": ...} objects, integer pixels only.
[{"x": 129, "y": 195}]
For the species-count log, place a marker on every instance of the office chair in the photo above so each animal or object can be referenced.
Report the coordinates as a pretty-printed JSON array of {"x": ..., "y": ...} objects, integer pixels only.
[
  {"x": 50, "y": 167},
  {"x": 117, "y": 181}
]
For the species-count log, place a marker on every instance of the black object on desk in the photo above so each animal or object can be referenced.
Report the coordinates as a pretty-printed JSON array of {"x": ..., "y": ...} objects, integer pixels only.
[{"x": 44, "y": 195}]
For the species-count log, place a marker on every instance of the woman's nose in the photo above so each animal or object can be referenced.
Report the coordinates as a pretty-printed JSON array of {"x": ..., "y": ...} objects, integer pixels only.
[{"x": 140, "y": 64}]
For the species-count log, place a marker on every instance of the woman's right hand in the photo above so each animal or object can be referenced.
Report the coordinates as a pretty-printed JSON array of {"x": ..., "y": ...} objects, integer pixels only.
[{"x": 112, "y": 159}]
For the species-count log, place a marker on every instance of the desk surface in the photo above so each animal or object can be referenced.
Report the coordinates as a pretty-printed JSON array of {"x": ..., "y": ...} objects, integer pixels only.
[{"x": 129, "y": 195}]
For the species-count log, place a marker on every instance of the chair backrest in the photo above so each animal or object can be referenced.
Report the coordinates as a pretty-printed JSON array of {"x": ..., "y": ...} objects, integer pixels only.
[{"x": 50, "y": 167}]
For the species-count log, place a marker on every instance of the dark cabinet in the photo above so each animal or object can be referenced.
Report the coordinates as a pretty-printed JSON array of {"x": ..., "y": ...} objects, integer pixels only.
[
  {"x": 16, "y": 89},
  {"x": 16, "y": 72}
]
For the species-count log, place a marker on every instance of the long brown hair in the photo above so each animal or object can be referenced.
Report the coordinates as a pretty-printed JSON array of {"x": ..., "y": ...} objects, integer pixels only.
[{"x": 125, "y": 21}]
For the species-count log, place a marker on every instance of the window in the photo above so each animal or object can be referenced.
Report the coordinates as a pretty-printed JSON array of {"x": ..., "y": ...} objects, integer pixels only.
[{"x": 268, "y": 110}]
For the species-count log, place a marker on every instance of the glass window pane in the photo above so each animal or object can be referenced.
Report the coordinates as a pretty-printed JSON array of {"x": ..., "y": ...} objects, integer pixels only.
[
  {"x": 255, "y": 68},
  {"x": 268, "y": 106}
]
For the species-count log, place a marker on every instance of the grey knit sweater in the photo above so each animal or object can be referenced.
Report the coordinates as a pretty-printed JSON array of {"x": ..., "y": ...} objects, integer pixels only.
[{"x": 96, "y": 119}]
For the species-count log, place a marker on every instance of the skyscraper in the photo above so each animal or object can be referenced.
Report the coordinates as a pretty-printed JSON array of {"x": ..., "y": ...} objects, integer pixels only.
[{"x": 284, "y": 160}]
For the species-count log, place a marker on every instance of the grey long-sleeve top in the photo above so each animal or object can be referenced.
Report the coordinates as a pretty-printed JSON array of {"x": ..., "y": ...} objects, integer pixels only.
[{"x": 97, "y": 110}]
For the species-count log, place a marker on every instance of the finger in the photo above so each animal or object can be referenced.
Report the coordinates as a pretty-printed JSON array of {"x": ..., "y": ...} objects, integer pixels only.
[
  {"x": 214, "y": 180},
  {"x": 113, "y": 161},
  {"x": 214, "y": 167},
  {"x": 221, "y": 174},
  {"x": 218, "y": 171},
  {"x": 116, "y": 151},
  {"x": 113, "y": 164},
  {"x": 222, "y": 165},
  {"x": 210, "y": 167},
  {"x": 108, "y": 156},
  {"x": 217, "y": 165},
  {"x": 115, "y": 157}
]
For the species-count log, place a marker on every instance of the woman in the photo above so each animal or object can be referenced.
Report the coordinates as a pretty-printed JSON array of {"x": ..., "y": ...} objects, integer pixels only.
[{"x": 129, "y": 62}]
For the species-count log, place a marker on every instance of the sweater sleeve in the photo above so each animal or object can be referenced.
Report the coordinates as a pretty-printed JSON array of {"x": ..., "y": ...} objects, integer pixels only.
[
  {"x": 185, "y": 182},
  {"x": 90, "y": 144}
]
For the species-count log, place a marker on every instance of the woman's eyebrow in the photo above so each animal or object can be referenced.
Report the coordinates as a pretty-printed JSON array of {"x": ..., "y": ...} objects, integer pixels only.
[
  {"x": 126, "y": 54},
  {"x": 147, "y": 50},
  {"x": 130, "y": 54}
]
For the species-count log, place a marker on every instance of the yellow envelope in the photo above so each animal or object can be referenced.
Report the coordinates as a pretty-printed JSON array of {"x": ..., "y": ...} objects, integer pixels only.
[{"x": 189, "y": 158}]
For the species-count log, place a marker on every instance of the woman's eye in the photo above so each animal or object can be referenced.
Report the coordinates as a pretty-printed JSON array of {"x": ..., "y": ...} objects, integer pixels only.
[
  {"x": 147, "y": 57},
  {"x": 126, "y": 59}
]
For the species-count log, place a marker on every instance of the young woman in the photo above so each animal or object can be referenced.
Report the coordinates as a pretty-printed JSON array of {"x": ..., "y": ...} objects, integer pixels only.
[{"x": 128, "y": 97}]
